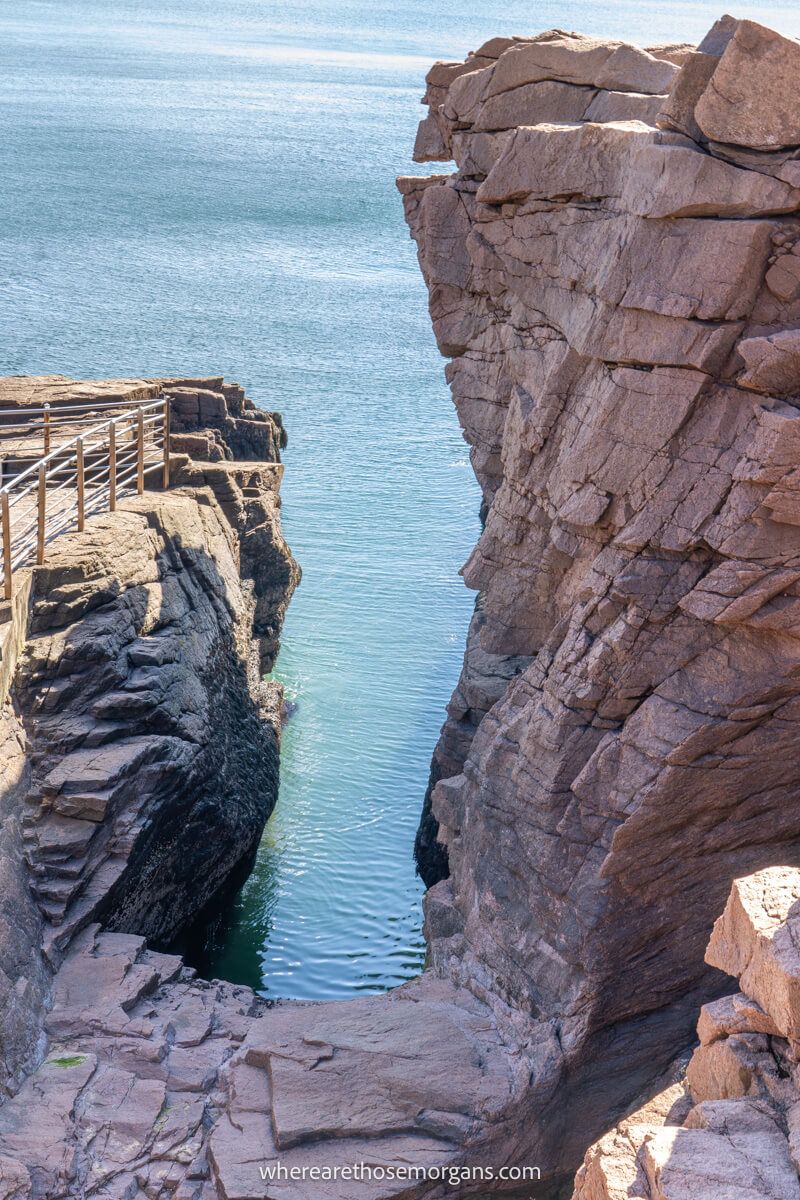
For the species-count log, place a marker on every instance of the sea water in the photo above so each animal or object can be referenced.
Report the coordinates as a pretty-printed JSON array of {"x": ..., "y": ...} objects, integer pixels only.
[{"x": 206, "y": 186}]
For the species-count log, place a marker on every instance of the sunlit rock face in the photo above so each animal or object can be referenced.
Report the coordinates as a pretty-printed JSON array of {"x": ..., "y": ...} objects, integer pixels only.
[
  {"x": 730, "y": 1118},
  {"x": 613, "y": 273},
  {"x": 139, "y": 687}
]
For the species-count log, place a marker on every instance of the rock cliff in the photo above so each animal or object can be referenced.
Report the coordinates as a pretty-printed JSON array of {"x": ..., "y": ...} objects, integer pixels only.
[
  {"x": 140, "y": 744},
  {"x": 140, "y": 761},
  {"x": 613, "y": 273}
]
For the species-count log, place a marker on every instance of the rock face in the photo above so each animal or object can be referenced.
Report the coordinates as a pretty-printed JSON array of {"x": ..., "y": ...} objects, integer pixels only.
[
  {"x": 730, "y": 1126},
  {"x": 141, "y": 747},
  {"x": 614, "y": 286},
  {"x": 122, "y": 1100}
]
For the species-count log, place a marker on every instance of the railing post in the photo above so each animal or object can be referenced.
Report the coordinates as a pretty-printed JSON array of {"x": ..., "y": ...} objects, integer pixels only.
[
  {"x": 81, "y": 484},
  {"x": 46, "y": 428},
  {"x": 112, "y": 466},
  {"x": 140, "y": 451},
  {"x": 8, "y": 586},
  {"x": 41, "y": 514},
  {"x": 167, "y": 423}
]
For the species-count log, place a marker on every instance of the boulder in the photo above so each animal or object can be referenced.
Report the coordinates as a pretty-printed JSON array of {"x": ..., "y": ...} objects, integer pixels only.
[
  {"x": 631, "y": 168},
  {"x": 729, "y": 1151},
  {"x": 430, "y": 145},
  {"x": 772, "y": 363},
  {"x": 751, "y": 98},
  {"x": 783, "y": 278},
  {"x": 534, "y": 104},
  {"x": 624, "y": 106},
  {"x": 585, "y": 61},
  {"x": 676, "y": 112},
  {"x": 756, "y": 940}
]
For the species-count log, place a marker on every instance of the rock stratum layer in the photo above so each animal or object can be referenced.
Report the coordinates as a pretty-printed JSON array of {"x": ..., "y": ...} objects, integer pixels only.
[{"x": 614, "y": 272}]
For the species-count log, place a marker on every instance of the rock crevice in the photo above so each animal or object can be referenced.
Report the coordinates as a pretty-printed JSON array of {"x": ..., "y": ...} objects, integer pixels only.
[{"x": 611, "y": 272}]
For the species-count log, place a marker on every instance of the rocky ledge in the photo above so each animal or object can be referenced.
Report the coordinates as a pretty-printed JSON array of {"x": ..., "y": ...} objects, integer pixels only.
[{"x": 613, "y": 272}]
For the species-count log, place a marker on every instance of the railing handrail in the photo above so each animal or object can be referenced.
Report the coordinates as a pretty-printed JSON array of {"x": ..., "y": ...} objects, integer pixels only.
[
  {"x": 88, "y": 407},
  {"x": 99, "y": 481},
  {"x": 59, "y": 450}
]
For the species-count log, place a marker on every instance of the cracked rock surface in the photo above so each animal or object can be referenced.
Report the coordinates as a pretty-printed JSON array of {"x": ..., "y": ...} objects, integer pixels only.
[
  {"x": 729, "y": 1127},
  {"x": 139, "y": 764},
  {"x": 610, "y": 272}
]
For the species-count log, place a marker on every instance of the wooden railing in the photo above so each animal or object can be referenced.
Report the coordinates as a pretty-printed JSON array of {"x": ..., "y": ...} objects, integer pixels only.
[{"x": 85, "y": 465}]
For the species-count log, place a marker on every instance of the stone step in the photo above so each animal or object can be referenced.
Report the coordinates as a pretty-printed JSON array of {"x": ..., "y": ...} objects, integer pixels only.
[
  {"x": 56, "y": 838},
  {"x": 101, "y": 766},
  {"x": 70, "y": 869},
  {"x": 56, "y": 891},
  {"x": 88, "y": 806}
]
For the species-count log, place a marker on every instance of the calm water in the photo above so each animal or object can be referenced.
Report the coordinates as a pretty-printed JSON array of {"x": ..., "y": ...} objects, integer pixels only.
[{"x": 207, "y": 186}]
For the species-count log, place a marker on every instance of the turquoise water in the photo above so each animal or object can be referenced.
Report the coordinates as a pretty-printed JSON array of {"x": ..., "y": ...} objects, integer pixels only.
[{"x": 208, "y": 187}]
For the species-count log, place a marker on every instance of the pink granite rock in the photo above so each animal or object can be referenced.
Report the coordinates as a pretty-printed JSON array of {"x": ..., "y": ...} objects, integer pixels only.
[
  {"x": 615, "y": 299},
  {"x": 751, "y": 97},
  {"x": 111, "y": 767},
  {"x": 619, "y": 303},
  {"x": 632, "y": 169},
  {"x": 741, "y": 1137},
  {"x": 585, "y": 61},
  {"x": 756, "y": 940},
  {"x": 772, "y": 363}
]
